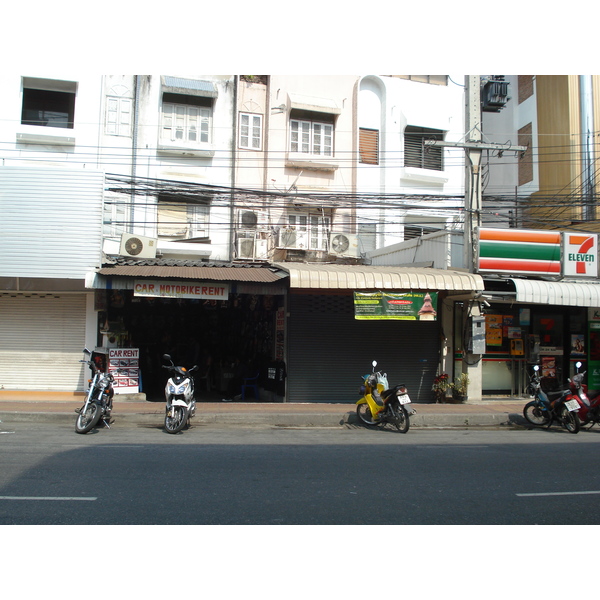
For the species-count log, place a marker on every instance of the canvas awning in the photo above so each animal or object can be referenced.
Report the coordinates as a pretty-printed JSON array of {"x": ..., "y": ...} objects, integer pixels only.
[
  {"x": 558, "y": 292},
  {"x": 367, "y": 277}
]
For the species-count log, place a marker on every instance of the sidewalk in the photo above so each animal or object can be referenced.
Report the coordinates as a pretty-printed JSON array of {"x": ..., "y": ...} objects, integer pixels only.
[{"x": 53, "y": 407}]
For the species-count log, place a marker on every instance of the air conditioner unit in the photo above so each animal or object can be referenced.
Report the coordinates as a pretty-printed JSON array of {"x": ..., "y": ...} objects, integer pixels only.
[
  {"x": 137, "y": 246},
  {"x": 245, "y": 248},
  {"x": 252, "y": 219},
  {"x": 293, "y": 239},
  {"x": 343, "y": 244}
]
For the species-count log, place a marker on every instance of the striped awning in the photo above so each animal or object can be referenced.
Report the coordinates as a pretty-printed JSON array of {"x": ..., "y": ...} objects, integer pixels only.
[
  {"x": 560, "y": 293},
  {"x": 367, "y": 277}
]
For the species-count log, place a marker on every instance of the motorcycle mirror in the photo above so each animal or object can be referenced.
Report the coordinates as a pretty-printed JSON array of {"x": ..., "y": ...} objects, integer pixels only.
[
  {"x": 578, "y": 364},
  {"x": 86, "y": 351},
  {"x": 374, "y": 363},
  {"x": 166, "y": 357},
  {"x": 536, "y": 368}
]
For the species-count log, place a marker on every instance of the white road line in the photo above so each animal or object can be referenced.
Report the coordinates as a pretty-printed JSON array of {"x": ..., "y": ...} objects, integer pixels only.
[
  {"x": 46, "y": 498},
  {"x": 560, "y": 493}
]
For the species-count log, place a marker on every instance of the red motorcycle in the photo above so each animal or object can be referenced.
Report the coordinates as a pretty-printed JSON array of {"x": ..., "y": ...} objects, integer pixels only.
[{"x": 589, "y": 407}]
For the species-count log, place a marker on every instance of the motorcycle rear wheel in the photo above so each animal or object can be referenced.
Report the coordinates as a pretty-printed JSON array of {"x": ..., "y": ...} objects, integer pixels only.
[
  {"x": 87, "y": 420},
  {"x": 177, "y": 422},
  {"x": 364, "y": 414},
  {"x": 570, "y": 419},
  {"x": 401, "y": 419},
  {"x": 535, "y": 414}
]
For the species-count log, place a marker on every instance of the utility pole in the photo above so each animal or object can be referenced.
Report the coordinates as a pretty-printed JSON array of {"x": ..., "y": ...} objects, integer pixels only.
[{"x": 474, "y": 147}]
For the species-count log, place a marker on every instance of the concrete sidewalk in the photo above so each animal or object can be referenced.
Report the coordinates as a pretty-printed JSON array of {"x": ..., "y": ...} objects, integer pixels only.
[{"x": 48, "y": 407}]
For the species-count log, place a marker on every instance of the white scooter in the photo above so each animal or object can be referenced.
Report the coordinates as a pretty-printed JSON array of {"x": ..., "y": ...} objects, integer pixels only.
[{"x": 179, "y": 394}]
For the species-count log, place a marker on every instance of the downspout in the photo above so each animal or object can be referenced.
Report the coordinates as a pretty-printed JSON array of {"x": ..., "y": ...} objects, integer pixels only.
[
  {"x": 587, "y": 146},
  {"x": 134, "y": 143},
  {"x": 233, "y": 166}
]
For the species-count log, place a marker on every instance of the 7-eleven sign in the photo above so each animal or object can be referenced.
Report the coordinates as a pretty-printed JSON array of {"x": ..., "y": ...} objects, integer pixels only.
[{"x": 580, "y": 254}]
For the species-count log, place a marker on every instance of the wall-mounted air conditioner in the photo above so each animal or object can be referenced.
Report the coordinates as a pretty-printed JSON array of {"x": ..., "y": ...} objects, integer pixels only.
[
  {"x": 343, "y": 244},
  {"x": 251, "y": 248},
  {"x": 293, "y": 239},
  {"x": 252, "y": 219},
  {"x": 137, "y": 246}
]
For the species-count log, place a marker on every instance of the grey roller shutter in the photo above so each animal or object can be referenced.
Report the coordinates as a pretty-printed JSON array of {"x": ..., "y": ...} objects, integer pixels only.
[
  {"x": 41, "y": 341},
  {"x": 329, "y": 350}
]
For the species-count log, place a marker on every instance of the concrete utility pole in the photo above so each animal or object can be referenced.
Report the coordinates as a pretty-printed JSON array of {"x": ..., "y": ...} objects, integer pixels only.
[{"x": 474, "y": 147}]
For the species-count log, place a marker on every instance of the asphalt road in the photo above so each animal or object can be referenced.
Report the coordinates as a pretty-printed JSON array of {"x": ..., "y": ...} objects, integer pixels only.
[{"x": 265, "y": 476}]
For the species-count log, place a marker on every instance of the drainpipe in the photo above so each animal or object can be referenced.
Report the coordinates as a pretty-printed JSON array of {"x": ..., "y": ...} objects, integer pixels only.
[
  {"x": 233, "y": 161},
  {"x": 134, "y": 143},
  {"x": 587, "y": 145}
]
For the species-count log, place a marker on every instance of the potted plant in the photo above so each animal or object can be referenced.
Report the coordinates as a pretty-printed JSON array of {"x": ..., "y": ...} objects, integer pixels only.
[
  {"x": 440, "y": 386},
  {"x": 460, "y": 387}
]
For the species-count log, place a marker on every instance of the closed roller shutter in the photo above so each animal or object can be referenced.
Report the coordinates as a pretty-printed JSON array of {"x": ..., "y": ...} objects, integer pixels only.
[
  {"x": 41, "y": 341},
  {"x": 329, "y": 350}
]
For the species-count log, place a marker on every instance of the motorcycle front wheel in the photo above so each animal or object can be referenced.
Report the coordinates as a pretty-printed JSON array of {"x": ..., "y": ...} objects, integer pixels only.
[
  {"x": 88, "y": 419},
  {"x": 401, "y": 419},
  {"x": 570, "y": 419},
  {"x": 176, "y": 419},
  {"x": 536, "y": 415},
  {"x": 364, "y": 414}
]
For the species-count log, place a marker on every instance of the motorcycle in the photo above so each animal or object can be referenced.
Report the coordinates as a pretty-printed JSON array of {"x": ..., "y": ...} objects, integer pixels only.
[
  {"x": 98, "y": 400},
  {"x": 179, "y": 394},
  {"x": 589, "y": 404},
  {"x": 549, "y": 407},
  {"x": 381, "y": 404}
]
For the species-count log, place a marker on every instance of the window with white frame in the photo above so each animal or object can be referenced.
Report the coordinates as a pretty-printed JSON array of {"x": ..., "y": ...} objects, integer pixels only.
[
  {"x": 417, "y": 154},
  {"x": 182, "y": 220},
  {"x": 186, "y": 120},
  {"x": 311, "y": 133},
  {"x": 48, "y": 103},
  {"x": 250, "y": 130},
  {"x": 311, "y": 229},
  {"x": 118, "y": 116}
]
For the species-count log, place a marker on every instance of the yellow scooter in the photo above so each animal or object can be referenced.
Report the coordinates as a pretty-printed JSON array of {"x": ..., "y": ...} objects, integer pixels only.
[{"x": 381, "y": 404}]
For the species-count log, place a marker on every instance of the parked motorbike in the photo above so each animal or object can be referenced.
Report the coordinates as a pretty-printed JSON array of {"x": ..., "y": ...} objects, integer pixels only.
[
  {"x": 179, "y": 394},
  {"x": 98, "y": 400},
  {"x": 381, "y": 404},
  {"x": 589, "y": 404},
  {"x": 549, "y": 407}
]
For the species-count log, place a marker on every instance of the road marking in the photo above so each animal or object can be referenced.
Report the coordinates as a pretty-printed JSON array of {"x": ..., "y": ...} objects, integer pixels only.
[
  {"x": 560, "y": 493},
  {"x": 46, "y": 498}
]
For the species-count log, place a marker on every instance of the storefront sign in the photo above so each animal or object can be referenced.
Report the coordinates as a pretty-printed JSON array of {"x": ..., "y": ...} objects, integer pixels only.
[
  {"x": 409, "y": 306},
  {"x": 537, "y": 252},
  {"x": 580, "y": 258},
  {"x": 181, "y": 289},
  {"x": 124, "y": 364}
]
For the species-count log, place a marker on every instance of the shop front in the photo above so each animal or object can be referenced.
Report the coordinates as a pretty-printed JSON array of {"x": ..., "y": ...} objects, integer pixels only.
[
  {"x": 543, "y": 292},
  {"x": 226, "y": 320}
]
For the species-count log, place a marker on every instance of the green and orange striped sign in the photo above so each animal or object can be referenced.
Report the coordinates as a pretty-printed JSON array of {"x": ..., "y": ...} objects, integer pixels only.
[{"x": 519, "y": 251}]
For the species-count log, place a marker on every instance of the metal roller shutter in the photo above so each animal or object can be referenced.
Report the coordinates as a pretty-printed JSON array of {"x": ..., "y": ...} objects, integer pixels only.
[
  {"x": 41, "y": 341},
  {"x": 329, "y": 350}
]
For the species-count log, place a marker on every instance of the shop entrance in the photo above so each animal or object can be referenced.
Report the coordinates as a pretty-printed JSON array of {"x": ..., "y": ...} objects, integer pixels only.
[{"x": 228, "y": 340}]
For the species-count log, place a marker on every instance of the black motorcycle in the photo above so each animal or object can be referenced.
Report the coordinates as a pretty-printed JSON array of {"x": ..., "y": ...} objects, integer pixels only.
[{"x": 98, "y": 400}]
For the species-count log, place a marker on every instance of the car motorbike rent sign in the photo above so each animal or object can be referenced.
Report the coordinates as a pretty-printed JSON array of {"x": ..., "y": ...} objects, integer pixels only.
[
  {"x": 409, "y": 306},
  {"x": 181, "y": 289}
]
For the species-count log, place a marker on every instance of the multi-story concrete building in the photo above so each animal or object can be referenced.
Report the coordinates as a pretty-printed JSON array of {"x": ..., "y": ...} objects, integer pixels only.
[{"x": 253, "y": 200}]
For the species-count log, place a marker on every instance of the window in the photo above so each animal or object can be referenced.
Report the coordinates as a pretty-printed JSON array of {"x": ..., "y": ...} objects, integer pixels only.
[
  {"x": 118, "y": 116},
  {"x": 368, "y": 146},
  {"x": 186, "y": 120},
  {"x": 419, "y": 156},
  {"x": 182, "y": 220},
  {"x": 250, "y": 131},
  {"x": 312, "y": 230},
  {"x": 311, "y": 137},
  {"x": 48, "y": 103}
]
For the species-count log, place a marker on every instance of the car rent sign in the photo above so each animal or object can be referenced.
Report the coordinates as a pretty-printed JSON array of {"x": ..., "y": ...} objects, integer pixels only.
[{"x": 181, "y": 289}]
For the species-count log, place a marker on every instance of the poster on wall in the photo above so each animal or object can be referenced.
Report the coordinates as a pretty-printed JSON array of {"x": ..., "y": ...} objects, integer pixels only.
[
  {"x": 577, "y": 344},
  {"x": 409, "y": 306},
  {"x": 124, "y": 363},
  {"x": 593, "y": 349},
  {"x": 493, "y": 330},
  {"x": 548, "y": 366}
]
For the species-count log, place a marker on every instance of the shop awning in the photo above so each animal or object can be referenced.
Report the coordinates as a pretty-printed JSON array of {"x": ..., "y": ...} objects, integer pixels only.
[
  {"x": 230, "y": 273},
  {"x": 365, "y": 277},
  {"x": 558, "y": 292}
]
